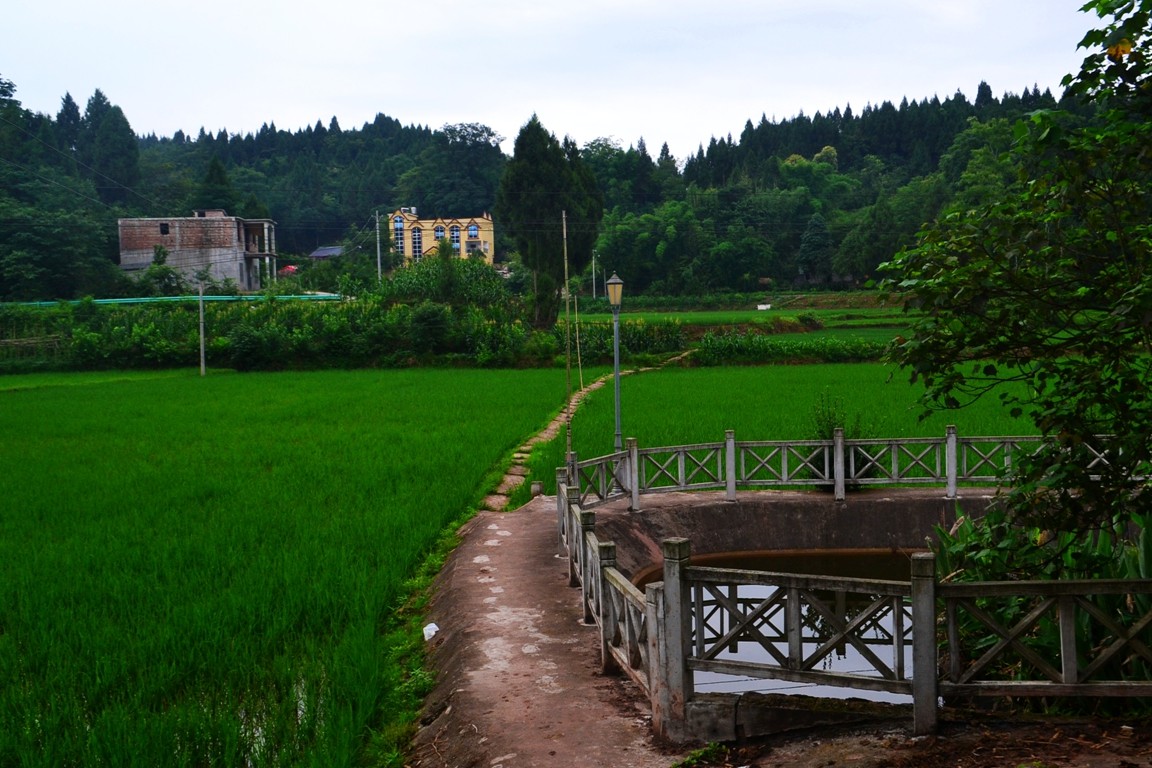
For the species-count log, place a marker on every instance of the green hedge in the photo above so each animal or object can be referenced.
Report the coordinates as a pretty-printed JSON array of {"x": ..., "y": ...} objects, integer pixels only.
[
  {"x": 637, "y": 337},
  {"x": 289, "y": 334},
  {"x": 756, "y": 348}
]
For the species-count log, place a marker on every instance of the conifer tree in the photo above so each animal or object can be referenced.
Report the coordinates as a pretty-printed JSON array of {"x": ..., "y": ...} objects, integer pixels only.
[{"x": 543, "y": 183}]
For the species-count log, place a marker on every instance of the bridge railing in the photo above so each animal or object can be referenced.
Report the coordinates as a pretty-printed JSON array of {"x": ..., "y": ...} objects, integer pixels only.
[
  {"x": 838, "y": 464},
  {"x": 607, "y": 597},
  {"x": 700, "y": 619}
]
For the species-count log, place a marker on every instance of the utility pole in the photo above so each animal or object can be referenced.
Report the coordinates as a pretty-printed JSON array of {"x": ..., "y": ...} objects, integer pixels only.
[
  {"x": 203, "y": 363},
  {"x": 593, "y": 275},
  {"x": 567, "y": 344},
  {"x": 379, "y": 268}
]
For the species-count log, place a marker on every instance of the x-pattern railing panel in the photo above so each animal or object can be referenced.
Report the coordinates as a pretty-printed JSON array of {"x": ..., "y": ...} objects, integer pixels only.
[
  {"x": 812, "y": 460},
  {"x": 986, "y": 459},
  {"x": 704, "y": 466},
  {"x": 689, "y": 466},
  {"x": 917, "y": 460},
  {"x": 716, "y": 620},
  {"x": 597, "y": 479},
  {"x": 1125, "y": 638},
  {"x": 741, "y": 620},
  {"x": 1025, "y": 647},
  {"x": 761, "y": 464},
  {"x": 849, "y": 631},
  {"x": 803, "y": 462},
  {"x": 724, "y": 618},
  {"x": 1010, "y": 636}
]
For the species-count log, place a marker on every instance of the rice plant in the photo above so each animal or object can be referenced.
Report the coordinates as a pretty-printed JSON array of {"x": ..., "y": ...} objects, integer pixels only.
[{"x": 204, "y": 571}]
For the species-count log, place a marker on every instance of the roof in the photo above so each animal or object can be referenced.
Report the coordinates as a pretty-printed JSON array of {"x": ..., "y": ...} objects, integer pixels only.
[{"x": 327, "y": 252}]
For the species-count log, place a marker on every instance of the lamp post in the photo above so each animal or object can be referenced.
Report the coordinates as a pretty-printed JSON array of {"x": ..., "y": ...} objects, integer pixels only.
[{"x": 615, "y": 288}]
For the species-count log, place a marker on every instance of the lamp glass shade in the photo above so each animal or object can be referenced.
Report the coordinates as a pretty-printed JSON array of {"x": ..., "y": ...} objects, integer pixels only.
[{"x": 615, "y": 288}]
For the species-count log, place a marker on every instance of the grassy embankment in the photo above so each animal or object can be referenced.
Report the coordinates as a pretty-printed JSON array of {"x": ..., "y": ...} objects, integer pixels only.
[{"x": 207, "y": 571}]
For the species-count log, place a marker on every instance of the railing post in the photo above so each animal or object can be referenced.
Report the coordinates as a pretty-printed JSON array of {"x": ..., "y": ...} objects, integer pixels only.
[
  {"x": 587, "y": 559},
  {"x": 675, "y": 632},
  {"x": 1069, "y": 667},
  {"x": 607, "y": 606},
  {"x": 561, "y": 503},
  {"x": 950, "y": 463},
  {"x": 838, "y": 461},
  {"x": 573, "y": 474},
  {"x": 571, "y": 512},
  {"x": 730, "y": 464},
  {"x": 658, "y": 696},
  {"x": 794, "y": 628},
  {"x": 633, "y": 473},
  {"x": 924, "y": 676}
]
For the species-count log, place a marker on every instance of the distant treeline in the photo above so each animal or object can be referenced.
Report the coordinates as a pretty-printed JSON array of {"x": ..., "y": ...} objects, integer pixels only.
[{"x": 805, "y": 201}]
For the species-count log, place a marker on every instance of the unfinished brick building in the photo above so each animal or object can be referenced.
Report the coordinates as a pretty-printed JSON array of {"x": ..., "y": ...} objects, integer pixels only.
[{"x": 229, "y": 247}]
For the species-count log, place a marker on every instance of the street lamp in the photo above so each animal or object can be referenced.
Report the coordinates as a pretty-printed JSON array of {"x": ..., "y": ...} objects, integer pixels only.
[{"x": 615, "y": 288}]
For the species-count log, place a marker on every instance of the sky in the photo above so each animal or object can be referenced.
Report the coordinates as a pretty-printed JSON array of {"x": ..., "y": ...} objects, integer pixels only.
[{"x": 667, "y": 71}]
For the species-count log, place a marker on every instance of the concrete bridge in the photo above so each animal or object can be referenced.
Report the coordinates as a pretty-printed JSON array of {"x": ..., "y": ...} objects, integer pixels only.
[{"x": 638, "y": 524}]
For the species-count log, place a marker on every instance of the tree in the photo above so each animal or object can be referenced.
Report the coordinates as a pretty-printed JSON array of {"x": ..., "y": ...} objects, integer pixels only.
[
  {"x": 160, "y": 279},
  {"x": 816, "y": 250},
  {"x": 115, "y": 158},
  {"x": 447, "y": 278},
  {"x": 457, "y": 174},
  {"x": 216, "y": 190},
  {"x": 542, "y": 184},
  {"x": 95, "y": 111},
  {"x": 68, "y": 124},
  {"x": 1045, "y": 296}
]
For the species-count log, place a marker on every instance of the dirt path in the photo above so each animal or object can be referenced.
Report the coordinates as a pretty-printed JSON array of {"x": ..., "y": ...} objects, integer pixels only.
[{"x": 519, "y": 681}]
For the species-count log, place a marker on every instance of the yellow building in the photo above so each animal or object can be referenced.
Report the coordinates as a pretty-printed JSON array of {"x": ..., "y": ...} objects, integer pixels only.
[{"x": 414, "y": 238}]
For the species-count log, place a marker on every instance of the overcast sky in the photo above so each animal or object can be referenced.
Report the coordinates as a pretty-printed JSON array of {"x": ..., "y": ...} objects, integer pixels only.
[{"x": 665, "y": 70}]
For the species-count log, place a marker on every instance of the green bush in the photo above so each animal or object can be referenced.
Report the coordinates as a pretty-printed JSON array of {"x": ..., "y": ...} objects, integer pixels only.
[
  {"x": 542, "y": 347},
  {"x": 810, "y": 321},
  {"x": 829, "y": 414},
  {"x": 637, "y": 337},
  {"x": 385, "y": 328},
  {"x": 756, "y": 348}
]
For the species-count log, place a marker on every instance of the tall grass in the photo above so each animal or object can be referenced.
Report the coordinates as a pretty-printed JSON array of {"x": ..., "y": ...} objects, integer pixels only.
[
  {"x": 679, "y": 406},
  {"x": 203, "y": 571}
]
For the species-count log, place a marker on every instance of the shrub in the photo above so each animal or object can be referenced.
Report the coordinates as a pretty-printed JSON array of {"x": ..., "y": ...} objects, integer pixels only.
[
  {"x": 541, "y": 348},
  {"x": 756, "y": 348}
]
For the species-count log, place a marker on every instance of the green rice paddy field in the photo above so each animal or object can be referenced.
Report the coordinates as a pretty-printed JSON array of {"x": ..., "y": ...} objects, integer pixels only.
[{"x": 203, "y": 571}]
